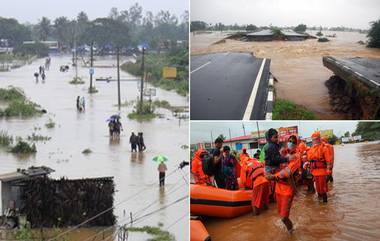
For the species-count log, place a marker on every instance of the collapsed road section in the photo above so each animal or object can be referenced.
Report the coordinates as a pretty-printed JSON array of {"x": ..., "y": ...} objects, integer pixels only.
[
  {"x": 356, "y": 87},
  {"x": 230, "y": 86}
]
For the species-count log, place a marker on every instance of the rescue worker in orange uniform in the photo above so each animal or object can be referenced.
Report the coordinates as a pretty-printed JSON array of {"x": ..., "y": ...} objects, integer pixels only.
[
  {"x": 261, "y": 186},
  {"x": 320, "y": 163},
  {"x": 243, "y": 157},
  {"x": 331, "y": 149},
  {"x": 197, "y": 169},
  {"x": 286, "y": 184}
]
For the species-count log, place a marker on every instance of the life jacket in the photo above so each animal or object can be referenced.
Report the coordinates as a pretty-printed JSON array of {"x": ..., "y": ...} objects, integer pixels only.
[
  {"x": 197, "y": 169},
  {"x": 254, "y": 169},
  {"x": 320, "y": 159}
]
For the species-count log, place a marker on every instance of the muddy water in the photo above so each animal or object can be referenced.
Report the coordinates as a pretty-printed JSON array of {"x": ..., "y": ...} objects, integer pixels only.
[
  {"x": 352, "y": 212},
  {"x": 298, "y": 65},
  {"x": 133, "y": 173}
]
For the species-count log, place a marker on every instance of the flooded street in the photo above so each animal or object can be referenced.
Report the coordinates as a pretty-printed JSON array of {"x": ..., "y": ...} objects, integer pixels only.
[
  {"x": 296, "y": 64},
  {"x": 134, "y": 173},
  {"x": 352, "y": 212}
]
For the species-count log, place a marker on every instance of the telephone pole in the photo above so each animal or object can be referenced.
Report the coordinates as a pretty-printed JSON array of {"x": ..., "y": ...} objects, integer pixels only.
[
  {"x": 91, "y": 64},
  {"x": 142, "y": 81},
  {"x": 118, "y": 76}
]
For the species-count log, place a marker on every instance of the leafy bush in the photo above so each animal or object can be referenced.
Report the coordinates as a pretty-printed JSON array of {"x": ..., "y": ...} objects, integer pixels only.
[
  {"x": 20, "y": 108},
  {"x": 322, "y": 40},
  {"x": 77, "y": 81},
  {"x": 5, "y": 139},
  {"x": 287, "y": 110},
  {"x": 23, "y": 147},
  {"x": 374, "y": 35},
  {"x": 301, "y": 28},
  {"x": 50, "y": 124}
]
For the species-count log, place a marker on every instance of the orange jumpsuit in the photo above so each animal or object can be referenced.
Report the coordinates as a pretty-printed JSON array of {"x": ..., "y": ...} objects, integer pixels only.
[
  {"x": 331, "y": 152},
  {"x": 320, "y": 160},
  {"x": 284, "y": 189},
  {"x": 196, "y": 168},
  {"x": 244, "y": 157},
  {"x": 261, "y": 188}
]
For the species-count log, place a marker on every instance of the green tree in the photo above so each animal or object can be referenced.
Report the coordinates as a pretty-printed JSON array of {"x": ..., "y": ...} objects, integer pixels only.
[
  {"x": 63, "y": 29},
  {"x": 197, "y": 26},
  {"x": 368, "y": 130},
  {"x": 44, "y": 28},
  {"x": 251, "y": 27},
  {"x": 13, "y": 31},
  {"x": 301, "y": 28},
  {"x": 374, "y": 35},
  {"x": 347, "y": 134}
]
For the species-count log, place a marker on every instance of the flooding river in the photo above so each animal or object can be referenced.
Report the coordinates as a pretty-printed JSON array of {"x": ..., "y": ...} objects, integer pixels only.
[
  {"x": 352, "y": 212},
  {"x": 74, "y": 132},
  {"x": 296, "y": 64}
]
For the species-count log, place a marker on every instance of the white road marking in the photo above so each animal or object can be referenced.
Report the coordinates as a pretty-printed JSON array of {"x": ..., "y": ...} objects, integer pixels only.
[
  {"x": 270, "y": 96},
  {"x": 268, "y": 116},
  {"x": 252, "y": 98},
  {"x": 200, "y": 67}
]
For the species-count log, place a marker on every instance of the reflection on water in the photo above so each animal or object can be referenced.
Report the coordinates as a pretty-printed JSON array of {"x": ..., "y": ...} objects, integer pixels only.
[
  {"x": 75, "y": 131},
  {"x": 352, "y": 212},
  {"x": 298, "y": 64}
]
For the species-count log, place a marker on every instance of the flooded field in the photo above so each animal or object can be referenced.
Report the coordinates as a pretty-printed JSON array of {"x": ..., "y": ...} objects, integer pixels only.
[
  {"x": 134, "y": 173},
  {"x": 352, "y": 212},
  {"x": 297, "y": 65}
]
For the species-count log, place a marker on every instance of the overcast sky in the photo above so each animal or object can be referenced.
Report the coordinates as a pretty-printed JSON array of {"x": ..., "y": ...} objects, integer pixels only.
[
  {"x": 32, "y": 10},
  {"x": 201, "y": 131},
  {"x": 349, "y": 13}
]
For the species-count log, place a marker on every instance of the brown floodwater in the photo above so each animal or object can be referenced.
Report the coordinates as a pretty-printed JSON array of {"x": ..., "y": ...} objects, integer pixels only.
[
  {"x": 296, "y": 64},
  {"x": 352, "y": 211},
  {"x": 133, "y": 173}
]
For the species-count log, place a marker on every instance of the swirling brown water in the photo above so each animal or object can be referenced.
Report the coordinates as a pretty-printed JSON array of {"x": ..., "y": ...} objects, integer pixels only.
[
  {"x": 296, "y": 64},
  {"x": 352, "y": 212}
]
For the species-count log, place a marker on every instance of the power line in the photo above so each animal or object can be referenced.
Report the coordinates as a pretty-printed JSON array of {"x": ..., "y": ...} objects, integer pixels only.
[
  {"x": 139, "y": 218},
  {"x": 105, "y": 211}
]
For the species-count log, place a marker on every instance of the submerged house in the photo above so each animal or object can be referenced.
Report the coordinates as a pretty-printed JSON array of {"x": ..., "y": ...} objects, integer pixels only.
[
  {"x": 262, "y": 35},
  {"x": 269, "y": 35},
  {"x": 291, "y": 35}
]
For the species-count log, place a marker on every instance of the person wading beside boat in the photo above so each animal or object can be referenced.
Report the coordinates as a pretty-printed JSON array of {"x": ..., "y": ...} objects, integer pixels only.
[
  {"x": 261, "y": 187},
  {"x": 197, "y": 168},
  {"x": 243, "y": 158},
  {"x": 320, "y": 163},
  {"x": 273, "y": 158},
  {"x": 331, "y": 153},
  {"x": 285, "y": 183}
]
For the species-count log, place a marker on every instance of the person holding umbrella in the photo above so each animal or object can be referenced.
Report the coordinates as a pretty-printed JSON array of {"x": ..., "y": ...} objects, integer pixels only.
[{"x": 161, "y": 168}]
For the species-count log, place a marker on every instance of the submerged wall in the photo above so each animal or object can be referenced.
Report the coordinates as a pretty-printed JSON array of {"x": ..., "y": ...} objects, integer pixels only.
[{"x": 61, "y": 203}]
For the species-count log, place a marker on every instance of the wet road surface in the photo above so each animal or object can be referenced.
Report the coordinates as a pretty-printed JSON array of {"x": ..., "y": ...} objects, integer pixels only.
[
  {"x": 298, "y": 65},
  {"x": 228, "y": 86},
  {"x": 352, "y": 212},
  {"x": 75, "y": 131}
]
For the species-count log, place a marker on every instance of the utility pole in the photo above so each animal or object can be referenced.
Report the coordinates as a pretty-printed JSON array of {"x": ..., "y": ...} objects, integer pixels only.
[
  {"x": 229, "y": 131},
  {"x": 142, "y": 81},
  {"x": 118, "y": 76},
  {"x": 243, "y": 128},
  {"x": 91, "y": 64},
  {"x": 258, "y": 134}
]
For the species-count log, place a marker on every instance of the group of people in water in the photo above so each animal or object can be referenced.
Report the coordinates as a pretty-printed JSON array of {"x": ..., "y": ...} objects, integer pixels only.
[
  {"x": 273, "y": 175},
  {"x": 137, "y": 142},
  {"x": 41, "y": 70}
]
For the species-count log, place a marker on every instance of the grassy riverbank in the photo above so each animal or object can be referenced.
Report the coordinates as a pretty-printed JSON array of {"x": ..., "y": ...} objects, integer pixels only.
[{"x": 287, "y": 110}]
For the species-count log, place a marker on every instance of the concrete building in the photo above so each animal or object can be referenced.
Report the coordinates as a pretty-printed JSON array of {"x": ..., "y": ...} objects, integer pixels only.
[{"x": 12, "y": 186}]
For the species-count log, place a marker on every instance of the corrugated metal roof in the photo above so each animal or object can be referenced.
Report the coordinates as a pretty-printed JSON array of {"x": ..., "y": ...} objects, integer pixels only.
[
  {"x": 293, "y": 34},
  {"x": 21, "y": 174},
  {"x": 264, "y": 32}
]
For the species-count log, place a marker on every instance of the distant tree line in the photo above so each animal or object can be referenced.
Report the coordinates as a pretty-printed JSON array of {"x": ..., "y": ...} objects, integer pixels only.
[
  {"x": 124, "y": 28},
  {"x": 368, "y": 130},
  {"x": 374, "y": 35}
]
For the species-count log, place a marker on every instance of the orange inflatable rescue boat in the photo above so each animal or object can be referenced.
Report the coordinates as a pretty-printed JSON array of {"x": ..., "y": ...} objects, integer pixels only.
[
  {"x": 217, "y": 202},
  {"x": 198, "y": 231}
]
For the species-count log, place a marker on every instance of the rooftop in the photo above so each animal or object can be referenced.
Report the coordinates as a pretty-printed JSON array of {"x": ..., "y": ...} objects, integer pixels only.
[
  {"x": 23, "y": 174},
  {"x": 264, "y": 32}
]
